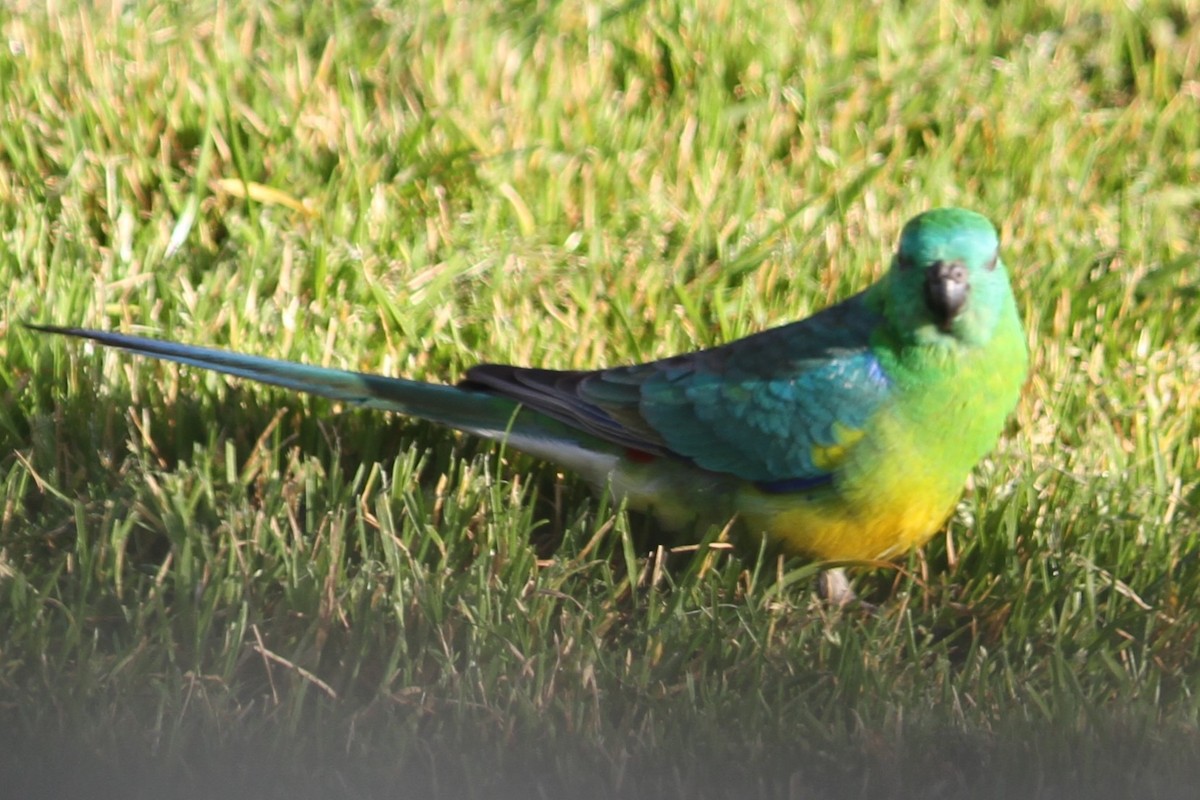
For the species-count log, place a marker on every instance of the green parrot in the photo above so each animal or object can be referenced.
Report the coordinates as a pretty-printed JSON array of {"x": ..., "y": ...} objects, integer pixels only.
[{"x": 844, "y": 436}]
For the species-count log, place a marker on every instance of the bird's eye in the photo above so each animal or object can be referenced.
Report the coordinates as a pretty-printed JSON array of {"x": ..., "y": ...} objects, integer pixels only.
[{"x": 903, "y": 261}]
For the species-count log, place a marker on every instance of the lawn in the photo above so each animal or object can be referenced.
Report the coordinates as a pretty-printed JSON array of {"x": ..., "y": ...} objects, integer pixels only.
[{"x": 211, "y": 588}]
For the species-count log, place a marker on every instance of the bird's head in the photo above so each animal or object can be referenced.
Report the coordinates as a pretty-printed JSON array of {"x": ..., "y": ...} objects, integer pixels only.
[{"x": 947, "y": 283}]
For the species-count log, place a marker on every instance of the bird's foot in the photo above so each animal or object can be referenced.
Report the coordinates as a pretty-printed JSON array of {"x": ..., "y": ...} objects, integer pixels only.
[{"x": 834, "y": 588}]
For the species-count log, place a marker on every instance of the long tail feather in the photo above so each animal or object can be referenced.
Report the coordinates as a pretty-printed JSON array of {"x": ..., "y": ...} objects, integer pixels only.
[{"x": 478, "y": 412}]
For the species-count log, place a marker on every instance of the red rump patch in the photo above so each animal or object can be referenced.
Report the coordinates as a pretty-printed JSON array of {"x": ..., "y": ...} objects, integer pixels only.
[{"x": 639, "y": 456}]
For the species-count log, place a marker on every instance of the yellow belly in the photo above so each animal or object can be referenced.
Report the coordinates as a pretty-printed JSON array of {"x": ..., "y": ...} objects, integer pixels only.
[
  {"x": 890, "y": 496},
  {"x": 832, "y": 530}
]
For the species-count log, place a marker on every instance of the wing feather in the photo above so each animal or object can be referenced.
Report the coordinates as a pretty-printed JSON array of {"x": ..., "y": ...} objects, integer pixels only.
[{"x": 764, "y": 408}]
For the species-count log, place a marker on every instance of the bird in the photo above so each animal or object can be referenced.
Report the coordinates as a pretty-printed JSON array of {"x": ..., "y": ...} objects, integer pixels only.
[{"x": 847, "y": 436}]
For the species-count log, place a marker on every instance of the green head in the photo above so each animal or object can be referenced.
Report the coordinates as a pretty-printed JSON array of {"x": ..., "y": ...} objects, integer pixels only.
[{"x": 947, "y": 284}]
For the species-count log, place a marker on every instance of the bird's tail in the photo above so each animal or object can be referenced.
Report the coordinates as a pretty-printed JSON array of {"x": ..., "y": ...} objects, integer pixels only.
[{"x": 477, "y": 412}]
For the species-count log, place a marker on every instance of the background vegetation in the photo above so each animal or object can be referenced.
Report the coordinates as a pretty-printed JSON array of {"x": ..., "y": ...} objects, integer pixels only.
[{"x": 214, "y": 588}]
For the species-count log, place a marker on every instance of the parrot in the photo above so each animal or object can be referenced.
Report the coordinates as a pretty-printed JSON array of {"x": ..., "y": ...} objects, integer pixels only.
[{"x": 846, "y": 436}]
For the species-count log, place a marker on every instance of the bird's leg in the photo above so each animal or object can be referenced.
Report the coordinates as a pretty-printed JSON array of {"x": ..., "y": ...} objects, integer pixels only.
[{"x": 834, "y": 588}]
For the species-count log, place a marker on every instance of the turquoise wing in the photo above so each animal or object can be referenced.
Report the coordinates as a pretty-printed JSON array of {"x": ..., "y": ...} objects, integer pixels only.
[{"x": 772, "y": 408}]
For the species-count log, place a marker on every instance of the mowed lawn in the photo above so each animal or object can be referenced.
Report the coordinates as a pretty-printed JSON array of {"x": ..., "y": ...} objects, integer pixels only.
[{"x": 210, "y": 588}]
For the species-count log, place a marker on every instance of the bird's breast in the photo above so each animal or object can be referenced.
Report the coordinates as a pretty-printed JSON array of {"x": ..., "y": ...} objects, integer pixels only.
[{"x": 897, "y": 480}]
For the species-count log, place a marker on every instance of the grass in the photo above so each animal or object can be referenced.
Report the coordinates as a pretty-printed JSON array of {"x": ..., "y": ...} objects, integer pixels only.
[{"x": 212, "y": 587}]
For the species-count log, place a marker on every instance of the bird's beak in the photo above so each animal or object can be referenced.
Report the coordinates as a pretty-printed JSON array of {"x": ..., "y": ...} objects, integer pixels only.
[{"x": 946, "y": 290}]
